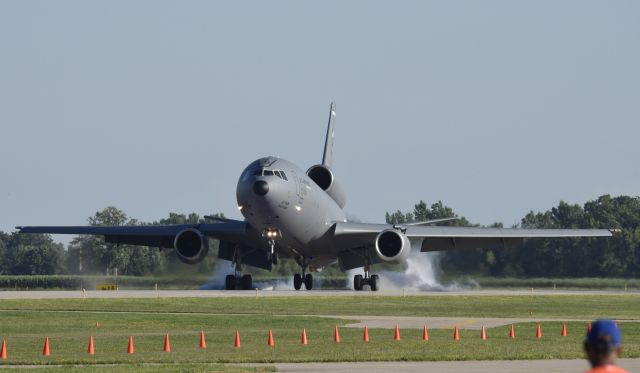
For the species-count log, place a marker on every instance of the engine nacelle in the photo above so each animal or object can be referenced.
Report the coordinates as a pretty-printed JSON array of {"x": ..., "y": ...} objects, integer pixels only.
[
  {"x": 392, "y": 246},
  {"x": 191, "y": 246},
  {"x": 325, "y": 179}
]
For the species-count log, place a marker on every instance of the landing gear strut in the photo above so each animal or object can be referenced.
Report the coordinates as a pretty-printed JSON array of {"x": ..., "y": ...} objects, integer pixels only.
[
  {"x": 273, "y": 255},
  {"x": 306, "y": 278},
  {"x": 359, "y": 281}
]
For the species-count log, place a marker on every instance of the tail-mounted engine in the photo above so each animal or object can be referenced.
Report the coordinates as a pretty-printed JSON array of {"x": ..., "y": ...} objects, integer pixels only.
[
  {"x": 392, "y": 246},
  {"x": 324, "y": 177},
  {"x": 191, "y": 246}
]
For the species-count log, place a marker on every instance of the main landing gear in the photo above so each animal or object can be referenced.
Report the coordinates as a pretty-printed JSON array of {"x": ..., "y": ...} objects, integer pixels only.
[
  {"x": 305, "y": 278},
  {"x": 237, "y": 280},
  {"x": 359, "y": 281},
  {"x": 233, "y": 282}
]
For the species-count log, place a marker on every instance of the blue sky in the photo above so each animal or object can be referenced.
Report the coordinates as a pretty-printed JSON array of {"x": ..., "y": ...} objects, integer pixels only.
[{"x": 495, "y": 107}]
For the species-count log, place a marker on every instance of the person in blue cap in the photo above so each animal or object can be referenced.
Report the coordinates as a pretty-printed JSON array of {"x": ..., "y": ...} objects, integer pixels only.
[{"x": 603, "y": 346}]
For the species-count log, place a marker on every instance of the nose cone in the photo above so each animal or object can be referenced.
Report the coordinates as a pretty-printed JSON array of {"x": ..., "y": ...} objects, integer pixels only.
[{"x": 260, "y": 187}]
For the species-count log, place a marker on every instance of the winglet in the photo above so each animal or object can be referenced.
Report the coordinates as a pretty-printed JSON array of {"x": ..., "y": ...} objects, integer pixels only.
[{"x": 327, "y": 156}]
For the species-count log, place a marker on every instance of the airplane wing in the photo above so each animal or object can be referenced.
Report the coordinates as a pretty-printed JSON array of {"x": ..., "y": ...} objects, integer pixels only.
[
  {"x": 150, "y": 235},
  {"x": 349, "y": 236}
]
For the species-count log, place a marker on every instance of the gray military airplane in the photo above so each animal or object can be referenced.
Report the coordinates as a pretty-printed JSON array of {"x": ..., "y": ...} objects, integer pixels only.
[{"x": 294, "y": 214}]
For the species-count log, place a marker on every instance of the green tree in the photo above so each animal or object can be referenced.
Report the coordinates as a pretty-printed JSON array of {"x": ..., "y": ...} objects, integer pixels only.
[
  {"x": 91, "y": 254},
  {"x": 33, "y": 254}
]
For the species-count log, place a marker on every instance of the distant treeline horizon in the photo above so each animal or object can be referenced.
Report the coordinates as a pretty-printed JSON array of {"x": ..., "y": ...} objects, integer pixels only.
[{"x": 618, "y": 256}]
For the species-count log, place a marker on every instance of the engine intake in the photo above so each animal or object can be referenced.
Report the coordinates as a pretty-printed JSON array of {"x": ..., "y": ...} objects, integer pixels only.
[
  {"x": 326, "y": 180},
  {"x": 191, "y": 246},
  {"x": 392, "y": 246}
]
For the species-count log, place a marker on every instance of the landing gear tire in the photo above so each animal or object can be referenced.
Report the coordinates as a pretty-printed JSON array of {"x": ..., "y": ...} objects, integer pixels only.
[
  {"x": 247, "y": 282},
  {"x": 308, "y": 281},
  {"x": 230, "y": 282},
  {"x": 297, "y": 281},
  {"x": 357, "y": 282},
  {"x": 373, "y": 282}
]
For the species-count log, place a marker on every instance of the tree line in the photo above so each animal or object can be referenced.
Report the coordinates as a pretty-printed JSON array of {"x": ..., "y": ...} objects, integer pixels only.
[{"x": 618, "y": 256}]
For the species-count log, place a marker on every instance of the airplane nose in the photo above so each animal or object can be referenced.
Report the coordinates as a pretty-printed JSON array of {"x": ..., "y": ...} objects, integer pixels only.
[{"x": 260, "y": 187}]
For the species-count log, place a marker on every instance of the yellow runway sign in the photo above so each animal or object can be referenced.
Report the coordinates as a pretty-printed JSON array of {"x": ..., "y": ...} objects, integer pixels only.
[{"x": 106, "y": 287}]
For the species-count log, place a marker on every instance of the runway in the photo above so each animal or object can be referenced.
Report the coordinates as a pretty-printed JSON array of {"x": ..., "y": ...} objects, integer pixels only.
[{"x": 76, "y": 294}]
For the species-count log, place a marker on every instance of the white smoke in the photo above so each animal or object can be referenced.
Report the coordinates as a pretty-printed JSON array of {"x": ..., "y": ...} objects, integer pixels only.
[
  {"x": 217, "y": 279},
  {"x": 421, "y": 274}
]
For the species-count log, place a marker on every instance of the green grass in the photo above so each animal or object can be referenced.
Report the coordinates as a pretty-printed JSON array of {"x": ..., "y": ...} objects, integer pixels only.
[
  {"x": 573, "y": 306},
  {"x": 24, "y": 324}
]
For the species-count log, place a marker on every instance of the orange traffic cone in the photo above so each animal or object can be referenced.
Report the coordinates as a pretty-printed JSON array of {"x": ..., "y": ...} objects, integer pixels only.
[
  {"x": 167, "y": 344},
  {"x": 237, "y": 343},
  {"x": 589, "y": 327},
  {"x": 396, "y": 335},
  {"x": 271, "y": 342},
  {"x": 456, "y": 334},
  {"x": 130, "y": 345},
  {"x": 425, "y": 333},
  {"x": 564, "y": 329},
  {"x": 45, "y": 349},
  {"x": 365, "y": 336},
  {"x": 336, "y": 335},
  {"x": 304, "y": 337},
  {"x": 203, "y": 343},
  {"x": 3, "y": 350},
  {"x": 512, "y": 332},
  {"x": 483, "y": 334},
  {"x": 539, "y": 332},
  {"x": 90, "y": 350}
]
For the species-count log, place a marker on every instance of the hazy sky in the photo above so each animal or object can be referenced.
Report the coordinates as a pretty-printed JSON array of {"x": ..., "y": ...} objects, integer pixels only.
[{"x": 495, "y": 108}]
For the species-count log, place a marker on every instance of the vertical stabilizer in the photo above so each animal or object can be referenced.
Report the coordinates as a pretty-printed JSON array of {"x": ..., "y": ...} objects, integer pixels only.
[{"x": 327, "y": 157}]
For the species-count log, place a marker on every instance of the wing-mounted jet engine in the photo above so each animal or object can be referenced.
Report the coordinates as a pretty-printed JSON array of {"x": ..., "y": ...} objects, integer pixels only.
[
  {"x": 392, "y": 246},
  {"x": 191, "y": 246},
  {"x": 326, "y": 180}
]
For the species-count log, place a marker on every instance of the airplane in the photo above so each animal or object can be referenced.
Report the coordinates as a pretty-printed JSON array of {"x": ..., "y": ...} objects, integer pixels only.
[{"x": 293, "y": 214}]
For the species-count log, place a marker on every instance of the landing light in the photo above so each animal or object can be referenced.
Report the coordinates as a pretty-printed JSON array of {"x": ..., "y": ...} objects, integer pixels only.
[
  {"x": 239, "y": 207},
  {"x": 298, "y": 208},
  {"x": 271, "y": 233}
]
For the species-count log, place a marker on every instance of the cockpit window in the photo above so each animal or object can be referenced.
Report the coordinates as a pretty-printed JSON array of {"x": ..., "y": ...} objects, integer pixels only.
[{"x": 277, "y": 173}]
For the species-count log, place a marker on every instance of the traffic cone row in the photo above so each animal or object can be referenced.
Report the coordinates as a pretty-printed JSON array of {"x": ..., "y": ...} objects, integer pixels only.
[{"x": 46, "y": 350}]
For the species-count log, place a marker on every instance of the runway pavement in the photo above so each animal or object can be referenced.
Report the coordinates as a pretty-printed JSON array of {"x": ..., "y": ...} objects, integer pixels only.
[{"x": 61, "y": 294}]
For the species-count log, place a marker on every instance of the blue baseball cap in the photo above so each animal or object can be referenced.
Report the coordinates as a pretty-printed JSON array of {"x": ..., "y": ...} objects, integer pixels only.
[{"x": 604, "y": 330}]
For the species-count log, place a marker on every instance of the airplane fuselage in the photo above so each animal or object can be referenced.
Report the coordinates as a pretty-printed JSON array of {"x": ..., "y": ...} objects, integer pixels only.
[{"x": 274, "y": 194}]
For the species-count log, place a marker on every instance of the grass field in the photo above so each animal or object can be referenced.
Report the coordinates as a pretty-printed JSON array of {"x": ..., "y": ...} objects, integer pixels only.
[{"x": 69, "y": 323}]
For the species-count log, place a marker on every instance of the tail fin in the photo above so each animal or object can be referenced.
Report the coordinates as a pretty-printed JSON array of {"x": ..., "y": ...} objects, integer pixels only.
[{"x": 327, "y": 157}]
